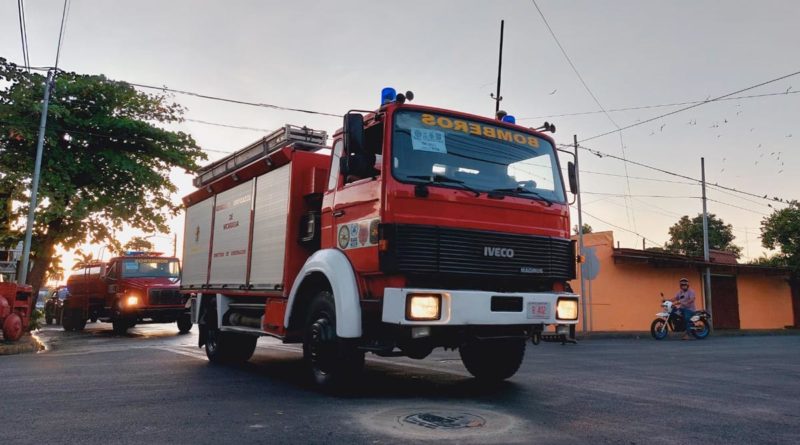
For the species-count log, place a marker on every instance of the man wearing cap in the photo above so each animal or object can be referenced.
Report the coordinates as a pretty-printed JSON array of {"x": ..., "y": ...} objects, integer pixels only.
[{"x": 684, "y": 301}]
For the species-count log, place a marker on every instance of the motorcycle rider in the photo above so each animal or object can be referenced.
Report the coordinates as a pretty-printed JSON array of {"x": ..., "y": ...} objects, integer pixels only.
[{"x": 684, "y": 301}]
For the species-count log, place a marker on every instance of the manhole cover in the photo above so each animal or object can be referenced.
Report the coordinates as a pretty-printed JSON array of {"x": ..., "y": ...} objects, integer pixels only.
[{"x": 438, "y": 420}]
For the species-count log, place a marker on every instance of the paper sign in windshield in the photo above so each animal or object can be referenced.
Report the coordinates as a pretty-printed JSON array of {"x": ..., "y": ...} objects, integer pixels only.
[{"x": 428, "y": 140}]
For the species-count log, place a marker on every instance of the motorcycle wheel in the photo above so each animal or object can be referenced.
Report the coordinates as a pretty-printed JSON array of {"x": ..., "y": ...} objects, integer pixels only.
[
  {"x": 658, "y": 329},
  {"x": 701, "y": 329}
]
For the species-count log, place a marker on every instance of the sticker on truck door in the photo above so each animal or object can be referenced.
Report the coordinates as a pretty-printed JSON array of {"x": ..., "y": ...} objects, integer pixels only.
[{"x": 357, "y": 234}]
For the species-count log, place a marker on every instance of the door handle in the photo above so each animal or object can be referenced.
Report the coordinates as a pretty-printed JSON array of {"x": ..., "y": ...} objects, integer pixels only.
[{"x": 338, "y": 213}]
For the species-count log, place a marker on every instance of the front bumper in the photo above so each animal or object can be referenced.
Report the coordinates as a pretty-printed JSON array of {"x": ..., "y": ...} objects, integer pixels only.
[{"x": 466, "y": 308}]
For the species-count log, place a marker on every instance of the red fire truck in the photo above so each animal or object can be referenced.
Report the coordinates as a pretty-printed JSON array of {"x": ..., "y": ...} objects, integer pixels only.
[
  {"x": 419, "y": 228},
  {"x": 134, "y": 288}
]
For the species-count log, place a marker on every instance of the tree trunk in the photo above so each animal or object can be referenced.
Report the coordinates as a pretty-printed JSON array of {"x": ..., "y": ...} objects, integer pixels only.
[{"x": 43, "y": 255}]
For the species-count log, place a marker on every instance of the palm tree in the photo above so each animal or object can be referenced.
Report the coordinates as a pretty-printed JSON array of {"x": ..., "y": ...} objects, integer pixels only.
[{"x": 84, "y": 259}]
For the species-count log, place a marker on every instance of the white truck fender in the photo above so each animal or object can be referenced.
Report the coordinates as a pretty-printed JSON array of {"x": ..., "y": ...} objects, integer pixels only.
[{"x": 337, "y": 269}]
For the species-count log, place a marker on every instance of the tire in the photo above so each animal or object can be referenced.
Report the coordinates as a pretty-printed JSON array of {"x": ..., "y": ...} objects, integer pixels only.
[
  {"x": 184, "y": 323},
  {"x": 93, "y": 317},
  {"x": 66, "y": 320},
  {"x": 701, "y": 329},
  {"x": 120, "y": 326},
  {"x": 493, "y": 360},
  {"x": 229, "y": 347},
  {"x": 658, "y": 329},
  {"x": 332, "y": 361},
  {"x": 48, "y": 320}
]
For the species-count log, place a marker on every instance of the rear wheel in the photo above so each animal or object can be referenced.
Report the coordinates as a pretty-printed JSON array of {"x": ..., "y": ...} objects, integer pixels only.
[
  {"x": 701, "y": 329},
  {"x": 332, "y": 360},
  {"x": 184, "y": 323},
  {"x": 48, "y": 320},
  {"x": 658, "y": 329},
  {"x": 493, "y": 360},
  {"x": 229, "y": 347},
  {"x": 68, "y": 320}
]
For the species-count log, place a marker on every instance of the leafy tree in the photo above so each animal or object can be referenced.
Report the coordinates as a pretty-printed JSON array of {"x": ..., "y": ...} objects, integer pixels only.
[
  {"x": 84, "y": 258},
  {"x": 586, "y": 229},
  {"x": 686, "y": 236},
  {"x": 106, "y": 161},
  {"x": 781, "y": 230},
  {"x": 138, "y": 243}
]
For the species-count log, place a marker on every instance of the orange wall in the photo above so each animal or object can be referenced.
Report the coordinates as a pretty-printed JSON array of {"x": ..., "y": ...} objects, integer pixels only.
[
  {"x": 626, "y": 297},
  {"x": 764, "y": 302}
]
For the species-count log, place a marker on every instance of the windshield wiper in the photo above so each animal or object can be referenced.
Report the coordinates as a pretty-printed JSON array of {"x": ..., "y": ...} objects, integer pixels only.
[
  {"x": 518, "y": 191},
  {"x": 442, "y": 179}
]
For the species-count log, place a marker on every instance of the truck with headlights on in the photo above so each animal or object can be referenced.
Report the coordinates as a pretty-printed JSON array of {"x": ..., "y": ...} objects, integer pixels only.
[
  {"x": 136, "y": 287},
  {"x": 418, "y": 228}
]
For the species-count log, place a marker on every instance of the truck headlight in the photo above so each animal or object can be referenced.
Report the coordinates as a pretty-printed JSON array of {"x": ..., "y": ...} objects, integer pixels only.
[
  {"x": 567, "y": 309},
  {"x": 132, "y": 300},
  {"x": 421, "y": 307}
]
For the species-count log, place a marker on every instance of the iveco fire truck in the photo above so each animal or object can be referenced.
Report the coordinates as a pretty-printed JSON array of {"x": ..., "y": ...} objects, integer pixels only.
[
  {"x": 419, "y": 228},
  {"x": 136, "y": 287}
]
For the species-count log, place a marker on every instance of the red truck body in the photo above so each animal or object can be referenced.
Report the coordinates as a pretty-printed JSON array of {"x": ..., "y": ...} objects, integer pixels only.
[
  {"x": 126, "y": 290},
  {"x": 419, "y": 228},
  {"x": 15, "y": 307}
]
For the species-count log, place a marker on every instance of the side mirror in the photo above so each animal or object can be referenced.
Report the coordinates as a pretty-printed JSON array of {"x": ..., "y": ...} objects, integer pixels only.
[
  {"x": 573, "y": 177},
  {"x": 356, "y": 161}
]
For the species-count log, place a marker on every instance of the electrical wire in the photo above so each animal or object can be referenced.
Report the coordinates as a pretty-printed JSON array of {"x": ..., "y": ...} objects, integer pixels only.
[
  {"x": 601, "y": 154},
  {"x": 645, "y": 107},
  {"x": 62, "y": 31},
  {"x": 629, "y": 213},
  {"x": 23, "y": 33},
  {"x": 235, "y": 101},
  {"x": 620, "y": 228},
  {"x": 661, "y": 116}
]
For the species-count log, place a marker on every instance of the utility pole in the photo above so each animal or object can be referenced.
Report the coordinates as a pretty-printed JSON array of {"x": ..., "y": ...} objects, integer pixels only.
[
  {"x": 580, "y": 232},
  {"x": 37, "y": 167},
  {"x": 706, "y": 252},
  {"x": 175, "y": 244},
  {"x": 498, "y": 98}
]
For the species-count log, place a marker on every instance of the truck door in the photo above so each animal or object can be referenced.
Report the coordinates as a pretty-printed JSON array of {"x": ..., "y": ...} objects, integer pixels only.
[{"x": 356, "y": 204}]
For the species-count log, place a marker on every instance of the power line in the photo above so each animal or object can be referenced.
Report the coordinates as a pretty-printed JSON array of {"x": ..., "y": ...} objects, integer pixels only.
[
  {"x": 601, "y": 154},
  {"x": 636, "y": 177},
  {"x": 661, "y": 116},
  {"x": 62, "y": 31},
  {"x": 235, "y": 101},
  {"x": 631, "y": 216},
  {"x": 235, "y": 127},
  {"x": 737, "y": 207},
  {"x": 621, "y": 228},
  {"x": 23, "y": 32},
  {"x": 645, "y": 107},
  {"x": 622, "y": 195}
]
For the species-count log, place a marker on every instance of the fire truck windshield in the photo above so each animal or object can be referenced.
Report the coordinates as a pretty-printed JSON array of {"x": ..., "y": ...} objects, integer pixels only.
[
  {"x": 483, "y": 157},
  {"x": 150, "y": 268}
]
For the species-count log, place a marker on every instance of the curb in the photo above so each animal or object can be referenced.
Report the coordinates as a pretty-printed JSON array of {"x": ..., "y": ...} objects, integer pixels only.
[
  {"x": 28, "y": 343},
  {"x": 638, "y": 335}
]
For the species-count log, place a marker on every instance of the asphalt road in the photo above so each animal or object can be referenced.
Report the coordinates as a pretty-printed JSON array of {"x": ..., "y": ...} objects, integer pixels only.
[{"x": 154, "y": 386}]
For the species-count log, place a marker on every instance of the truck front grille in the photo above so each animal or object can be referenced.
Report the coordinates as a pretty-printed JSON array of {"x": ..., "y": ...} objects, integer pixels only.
[
  {"x": 165, "y": 297},
  {"x": 416, "y": 249}
]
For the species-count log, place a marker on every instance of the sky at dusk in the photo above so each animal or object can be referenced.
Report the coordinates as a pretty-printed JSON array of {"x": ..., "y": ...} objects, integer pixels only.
[{"x": 336, "y": 56}]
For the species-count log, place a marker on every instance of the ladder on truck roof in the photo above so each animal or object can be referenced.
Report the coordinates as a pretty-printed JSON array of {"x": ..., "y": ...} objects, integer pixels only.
[{"x": 302, "y": 137}]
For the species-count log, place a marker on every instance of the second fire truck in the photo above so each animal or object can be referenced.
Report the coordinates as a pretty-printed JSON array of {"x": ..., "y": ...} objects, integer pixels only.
[{"x": 419, "y": 228}]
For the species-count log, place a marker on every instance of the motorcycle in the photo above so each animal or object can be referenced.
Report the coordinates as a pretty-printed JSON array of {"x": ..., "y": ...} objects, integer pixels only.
[{"x": 672, "y": 319}]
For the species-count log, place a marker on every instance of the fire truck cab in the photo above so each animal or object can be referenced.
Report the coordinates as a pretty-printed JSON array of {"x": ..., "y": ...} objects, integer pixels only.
[
  {"x": 419, "y": 228},
  {"x": 136, "y": 287}
]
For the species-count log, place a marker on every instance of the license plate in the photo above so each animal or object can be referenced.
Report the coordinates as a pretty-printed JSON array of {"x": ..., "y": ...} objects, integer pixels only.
[{"x": 539, "y": 311}]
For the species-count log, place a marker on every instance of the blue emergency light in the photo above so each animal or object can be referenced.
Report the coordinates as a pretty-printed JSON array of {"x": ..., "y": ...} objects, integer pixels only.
[
  {"x": 510, "y": 119},
  {"x": 388, "y": 94}
]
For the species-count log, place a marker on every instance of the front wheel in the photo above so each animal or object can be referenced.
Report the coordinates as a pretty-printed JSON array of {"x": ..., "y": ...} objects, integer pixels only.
[
  {"x": 184, "y": 323},
  {"x": 332, "y": 360},
  {"x": 229, "y": 347},
  {"x": 121, "y": 325},
  {"x": 701, "y": 329},
  {"x": 493, "y": 360},
  {"x": 12, "y": 327},
  {"x": 658, "y": 329}
]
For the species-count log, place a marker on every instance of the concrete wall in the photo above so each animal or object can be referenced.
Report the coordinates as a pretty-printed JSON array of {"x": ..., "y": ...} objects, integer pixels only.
[
  {"x": 626, "y": 297},
  {"x": 764, "y": 302}
]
